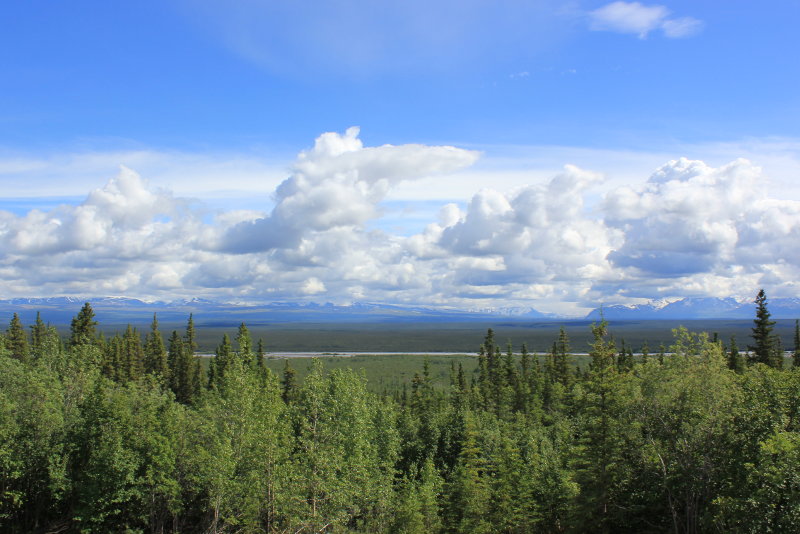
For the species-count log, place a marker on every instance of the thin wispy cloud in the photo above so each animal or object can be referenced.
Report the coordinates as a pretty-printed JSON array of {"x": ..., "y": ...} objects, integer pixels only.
[
  {"x": 641, "y": 20},
  {"x": 392, "y": 38}
]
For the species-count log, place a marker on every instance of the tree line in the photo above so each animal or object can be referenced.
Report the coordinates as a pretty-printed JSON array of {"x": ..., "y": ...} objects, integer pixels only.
[{"x": 132, "y": 434}]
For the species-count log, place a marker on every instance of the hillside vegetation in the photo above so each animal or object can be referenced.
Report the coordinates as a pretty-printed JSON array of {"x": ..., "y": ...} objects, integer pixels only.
[{"x": 125, "y": 434}]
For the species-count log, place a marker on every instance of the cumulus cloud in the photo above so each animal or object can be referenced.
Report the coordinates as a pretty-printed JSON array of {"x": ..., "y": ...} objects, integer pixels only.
[
  {"x": 506, "y": 244},
  {"x": 338, "y": 183},
  {"x": 121, "y": 216},
  {"x": 640, "y": 19},
  {"x": 689, "y": 229},
  {"x": 693, "y": 226}
]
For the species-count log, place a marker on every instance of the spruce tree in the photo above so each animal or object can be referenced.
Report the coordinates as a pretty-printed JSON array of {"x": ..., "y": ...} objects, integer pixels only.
[
  {"x": 245, "y": 344},
  {"x": 220, "y": 363},
  {"x": 289, "y": 383},
  {"x": 601, "y": 448},
  {"x": 765, "y": 348},
  {"x": 155, "y": 355},
  {"x": 467, "y": 494},
  {"x": 112, "y": 356},
  {"x": 197, "y": 376},
  {"x": 624, "y": 359},
  {"x": 132, "y": 354},
  {"x": 260, "y": 354},
  {"x": 796, "y": 356},
  {"x": 189, "y": 337},
  {"x": 484, "y": 381},
  {"x": 17, "y": 339},
  {"x": 461, "y": 380},
  {"x": 183, "y": 369},
  {"x": 83, "y": 329},
  {"x": 735, "y": 362},
  {"x": 561, "y": 358},
  {"x": 38, "y": 335}
]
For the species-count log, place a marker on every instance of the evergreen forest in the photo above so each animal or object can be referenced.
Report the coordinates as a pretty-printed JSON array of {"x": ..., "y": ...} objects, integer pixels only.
[{"x": 131, "y": 433}]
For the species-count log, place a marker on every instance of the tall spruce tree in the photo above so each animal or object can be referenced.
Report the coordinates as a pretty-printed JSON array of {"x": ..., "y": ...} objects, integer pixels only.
[
  {"x": 765, "y": 348},
  {"x": 196, "y": 373},
  {"x": 181, "y": 369},
  {"x": 219, "y": 364},
  {"x": 189, "y": 337},
  {"x": 17, "y": 339},
  {"x": 796, "y": 355},
  {"x": 601, "y": 443},
  {"x": 245, "y": 344},
  {"x": 38, "y": 335},
  {"x": 112, "y": 356},
  {"x": 288, "y": 384},
  {"x": 467, "y": 494},
  {"x": 561, "y": 358},
  {"x": 83, "y": 329},
  {"x": 260, "y": 354},
  {"x": 155, "y": 355},
  {"x": 132, "y": 354}
]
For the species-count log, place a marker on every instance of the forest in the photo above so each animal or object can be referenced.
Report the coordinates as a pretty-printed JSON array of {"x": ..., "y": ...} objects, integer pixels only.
[{"x": 135, "y": 434}]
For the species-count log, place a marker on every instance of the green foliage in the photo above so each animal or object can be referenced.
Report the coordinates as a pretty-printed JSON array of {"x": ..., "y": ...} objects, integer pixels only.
[
  {"x": 735, "y": 361},
  {"x": 289, "y": 384},
  {"x": 607, "y": 432},
  {"x": 241, "y": 459},
  {"x": 770, "y": 496},
  {"x": 104, "y": 438},
  {"x": 83, "y": 329},
  {"x": 766, "y": 348},
  {"x": 124, "y": 461},
  {"x": 17, "y": 340},
  {"x": 38, "y": 336},
  {"x": 346, "y": 481},
  {"x": 245, "y": 344},
  {"x": 33, "y": 452},
  {"x": 796, "y": 355},
  {"x": 155, "y": 355},
  {"x": 418, "y": 502},
  {"x": 468, "y": 491}
]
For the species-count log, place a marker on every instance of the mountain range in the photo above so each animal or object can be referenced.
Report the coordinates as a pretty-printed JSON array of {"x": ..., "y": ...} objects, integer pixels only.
[
  {"x": 120, "y": 310},
  {"x": 698, "y": 308}
]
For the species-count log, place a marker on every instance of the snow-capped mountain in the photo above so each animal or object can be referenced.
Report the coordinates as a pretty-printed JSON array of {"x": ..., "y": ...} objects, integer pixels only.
[
  {"x": 121, "y": 310},
  {"x": 698, "y": 308}
]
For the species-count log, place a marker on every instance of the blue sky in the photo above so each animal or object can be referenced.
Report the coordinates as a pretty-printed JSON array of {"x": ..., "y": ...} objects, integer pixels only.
[{"x": 211, "y": 107}]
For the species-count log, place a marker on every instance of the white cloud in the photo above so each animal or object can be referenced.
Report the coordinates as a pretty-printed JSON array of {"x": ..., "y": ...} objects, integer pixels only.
[
  {"x": 312, "y": 286},
  {"x": 681, "y": 27},
  {"x": 338, "y": 183},
  {"x": 695, "y": 228},
  {"x": 187, "y": 174},
  {"x": 640, "y": 19},
  {"x": 304, "y": 39},
  {"x": 532, "y": 237},
  {"x": 559, "y": 242}
]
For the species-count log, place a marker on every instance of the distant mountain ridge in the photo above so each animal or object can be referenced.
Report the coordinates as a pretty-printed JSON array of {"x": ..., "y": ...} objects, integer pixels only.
[
  {"x": 120, "y": 310},
  {"x": 698, "y": 308}
]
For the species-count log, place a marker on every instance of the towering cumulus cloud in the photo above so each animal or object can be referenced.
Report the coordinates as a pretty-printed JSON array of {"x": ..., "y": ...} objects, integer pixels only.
[
  {"x": 690, "y": 229},
  {"x": 338, "y": 184},
  {"x": 694, "y": 228},
  {"x": 538, "y": 241}
]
